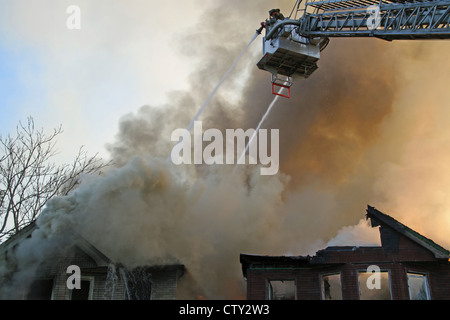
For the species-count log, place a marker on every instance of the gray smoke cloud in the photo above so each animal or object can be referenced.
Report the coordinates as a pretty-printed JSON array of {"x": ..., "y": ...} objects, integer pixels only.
[{"x": 345, "y": 141}]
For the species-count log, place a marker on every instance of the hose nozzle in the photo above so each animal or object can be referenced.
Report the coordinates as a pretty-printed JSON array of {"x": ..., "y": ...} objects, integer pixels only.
[{"x": 263, "y": 25}]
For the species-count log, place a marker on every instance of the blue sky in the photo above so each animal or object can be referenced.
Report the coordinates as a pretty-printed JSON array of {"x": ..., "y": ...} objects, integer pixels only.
[
  {"x": 10, "y": 86},
  {"x": 15, "y": 85}
]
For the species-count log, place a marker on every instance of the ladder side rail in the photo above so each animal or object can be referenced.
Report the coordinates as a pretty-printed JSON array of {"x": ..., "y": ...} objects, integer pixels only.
[{"x": 427, "y": 18}]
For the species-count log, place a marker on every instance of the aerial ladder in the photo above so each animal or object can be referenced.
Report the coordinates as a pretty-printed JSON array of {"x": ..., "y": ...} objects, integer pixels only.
[{"x": 292, "y": 46}]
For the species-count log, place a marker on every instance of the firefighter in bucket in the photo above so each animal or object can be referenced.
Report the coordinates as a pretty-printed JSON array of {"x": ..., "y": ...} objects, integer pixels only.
[{"x": 275, "y": 15}]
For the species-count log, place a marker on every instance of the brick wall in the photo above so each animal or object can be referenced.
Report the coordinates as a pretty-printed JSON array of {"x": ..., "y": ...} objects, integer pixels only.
[
  {"x": 398, "y": 256},
  {"x": 108, "y": 283},
  {"x": 308, "y": 281},
  {"x": 164, "y": 284}
]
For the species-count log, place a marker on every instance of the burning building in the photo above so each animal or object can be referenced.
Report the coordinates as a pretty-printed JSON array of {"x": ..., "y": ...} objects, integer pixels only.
[
  {"x": 99, "y": 277},
  {"x": 407, "y": 265}
]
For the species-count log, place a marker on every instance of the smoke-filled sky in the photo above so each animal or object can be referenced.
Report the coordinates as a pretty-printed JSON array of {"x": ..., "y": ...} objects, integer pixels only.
[
  {"x": 370, "y": 126},
  {"x": 126, "y": 54}
]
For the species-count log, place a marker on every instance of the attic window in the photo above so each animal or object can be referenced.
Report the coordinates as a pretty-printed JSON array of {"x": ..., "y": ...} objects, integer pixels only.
[
  {"x": 418, "y": 286},
  {"x": 331, "y": 287},
  {"x": 86, "y": 291},
  {"x": 282, "y": 290}
]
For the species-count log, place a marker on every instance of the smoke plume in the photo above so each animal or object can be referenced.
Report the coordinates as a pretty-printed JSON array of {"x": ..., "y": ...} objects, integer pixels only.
[{"x": 368, "y": 127}]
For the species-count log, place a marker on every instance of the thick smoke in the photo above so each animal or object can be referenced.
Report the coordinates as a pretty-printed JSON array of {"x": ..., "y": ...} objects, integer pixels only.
[
  {"x": 353, "y": 134},
  {"x": 358, "y": 131}
]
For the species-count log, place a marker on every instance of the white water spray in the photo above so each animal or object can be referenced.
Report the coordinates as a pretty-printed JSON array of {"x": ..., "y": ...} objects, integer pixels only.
[
  {"x": 138, "y": 283},
  {"x": 111, "y": 282},
  {"x": 272, "y": 104},
  {"x": 211, "y": 95}
]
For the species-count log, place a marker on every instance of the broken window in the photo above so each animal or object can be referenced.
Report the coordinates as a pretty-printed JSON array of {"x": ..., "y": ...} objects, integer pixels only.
[
  {"x": 282, "y": 290},
  {"x": 331, "y": 287},
  {"x": 138, "y": 283},
  {"x": 85, "y": 292},
  {"x": 418, "y": 286},
  {"x": 374, "y": 285},
  {"x": 41, "y": 290}
]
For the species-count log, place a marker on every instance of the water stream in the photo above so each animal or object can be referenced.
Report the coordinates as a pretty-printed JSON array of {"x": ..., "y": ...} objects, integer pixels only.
[{"x": 211, "y": 95}]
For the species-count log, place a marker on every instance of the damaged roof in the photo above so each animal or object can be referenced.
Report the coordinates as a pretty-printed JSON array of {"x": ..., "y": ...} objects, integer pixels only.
[
  {"x": 378, "y": 218},
  {"x": 77, "y": 240},
  {"x": 288, "y": 262}
]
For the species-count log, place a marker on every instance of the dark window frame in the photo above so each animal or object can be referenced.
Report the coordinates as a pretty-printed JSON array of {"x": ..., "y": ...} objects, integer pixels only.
[{"x": 269, "y": 290}]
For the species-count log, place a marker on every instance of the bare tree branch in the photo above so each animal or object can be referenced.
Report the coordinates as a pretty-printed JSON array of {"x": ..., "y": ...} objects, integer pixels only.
[{"x": 28, "y": 177}]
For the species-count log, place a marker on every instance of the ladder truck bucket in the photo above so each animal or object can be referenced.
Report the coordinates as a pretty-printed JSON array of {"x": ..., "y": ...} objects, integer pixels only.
[
  {"x": 283, "y": 84},
  {"x": 287, "y": 53}
]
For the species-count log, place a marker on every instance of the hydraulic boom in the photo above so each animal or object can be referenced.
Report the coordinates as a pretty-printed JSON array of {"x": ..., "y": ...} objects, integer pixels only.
[{"x": 292, "y": 46}]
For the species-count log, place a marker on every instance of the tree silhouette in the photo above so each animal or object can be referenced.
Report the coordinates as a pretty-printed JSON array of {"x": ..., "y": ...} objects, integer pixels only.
[{"x": 29, "y": 178}]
